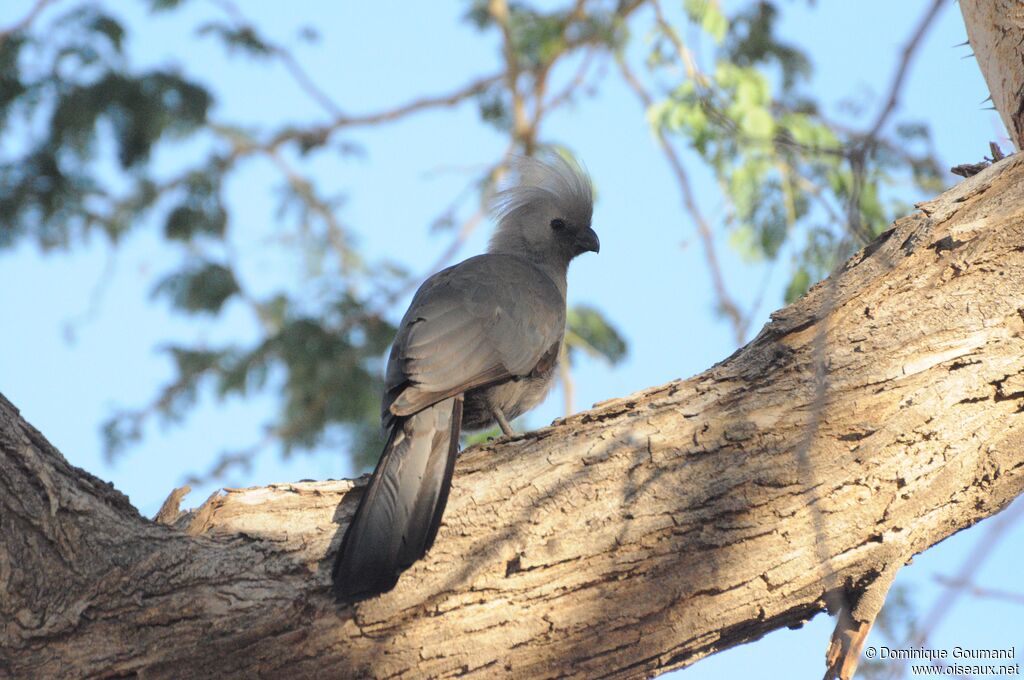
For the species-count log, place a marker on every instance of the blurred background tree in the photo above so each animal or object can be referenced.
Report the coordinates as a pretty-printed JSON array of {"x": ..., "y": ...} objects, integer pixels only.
[{"x": 82, "y": 127}]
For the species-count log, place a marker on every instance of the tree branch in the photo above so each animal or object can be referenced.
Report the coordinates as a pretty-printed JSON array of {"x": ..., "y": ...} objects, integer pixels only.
[
  {"x": 859, "y": 153},
  {"x": 637, "y": 537},
  {"x": 726, "y": 305},
  {"x": 906, "y": 57},
  {"x": 977, "y": 591},
  {"x": 995, "y": 29},
  {"x": 322, "y": 133},
  {"x": 288, "y": 60}
]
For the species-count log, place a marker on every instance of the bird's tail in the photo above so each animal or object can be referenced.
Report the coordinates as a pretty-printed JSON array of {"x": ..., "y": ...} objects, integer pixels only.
[{"x": 400, "y": 511}]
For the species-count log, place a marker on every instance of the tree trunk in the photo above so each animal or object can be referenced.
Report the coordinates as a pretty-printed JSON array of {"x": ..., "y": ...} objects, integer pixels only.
[
  {"x": 879, "y": 414},
  {"x": 995, "y": 29}
]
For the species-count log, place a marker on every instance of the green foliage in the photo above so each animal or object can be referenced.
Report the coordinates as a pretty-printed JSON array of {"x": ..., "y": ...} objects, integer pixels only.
[
  {"x": 752, "y": 43},
  {"x": 318, "y": 361},
  {"x": 139, "y": 109},
  {"x": 11, "y": 85},
  {"x": 481, "y": 437},
  {"x": 241, "y": 39},
  {"x": 200, "y": 210},
  {"x": 537, "y": 38},
  {"x": 494, "y": 109},
  {"x": 587, "y": 330},
  {"x": 788, "y": 173},
  {"x": 200, "y": 287},
  {"x": 798, "y": 285},
  {"x": 331, "y": 368},
  {"x": 709, "y": 16},
  {"x": 69, "y": 93},
  {"x": 69, "y": 90},
  {"x": 111, "y": 29},
  {"x": 165, "y": 5}
]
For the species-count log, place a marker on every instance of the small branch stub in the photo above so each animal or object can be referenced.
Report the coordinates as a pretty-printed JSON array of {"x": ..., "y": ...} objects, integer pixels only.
[{"x": 170, "y": 511}]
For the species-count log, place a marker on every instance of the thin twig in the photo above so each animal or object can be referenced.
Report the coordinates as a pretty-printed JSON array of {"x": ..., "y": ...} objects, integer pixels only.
[
  {"x": 299, "y": 74},
  {"x": 814, "y": 190},
  {"x": 565, "y": 375},
  {"x": 336, "y": 234},
  {"x": 724, "y": 300},
  {"x": 859, "y": 153},
  {"x": 466, "y": 229},
  {"x": 998, "y": 528},
  {"x": 96, "y": 295},
  {"x": 693, "y": 72},
  {"x": 566, "y": 93},
  {"x": 237, "y": 458},
  {"x": 541, "y": 77},
  {"x": 907, "y": 56},
  {"x": 321, "y": 134},
  {"x": 977, "y": 591},
  {"x": 440, "y": 101}
]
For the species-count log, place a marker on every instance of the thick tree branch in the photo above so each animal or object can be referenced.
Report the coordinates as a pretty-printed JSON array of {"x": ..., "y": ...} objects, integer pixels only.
[
  {"x": 640, "y": 536},
  {"x": 995, "y": 29}
]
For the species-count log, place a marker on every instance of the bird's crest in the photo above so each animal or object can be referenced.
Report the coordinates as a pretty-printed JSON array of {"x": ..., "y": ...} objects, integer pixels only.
[{"x": 555, "y": 178}]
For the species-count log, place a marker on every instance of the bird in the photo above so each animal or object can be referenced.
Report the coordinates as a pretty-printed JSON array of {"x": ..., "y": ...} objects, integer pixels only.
[{"x": 478, "y": 346}]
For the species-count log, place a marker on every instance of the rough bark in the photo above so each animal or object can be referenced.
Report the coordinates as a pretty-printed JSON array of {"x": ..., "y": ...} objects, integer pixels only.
[
  {"x": 879, "y": 414},
  {"x": 995, "y": 29}
]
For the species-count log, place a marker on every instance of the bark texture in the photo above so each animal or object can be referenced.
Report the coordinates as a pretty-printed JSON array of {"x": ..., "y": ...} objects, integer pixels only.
[
  {"x": 879, "y": 414},
  {"x": 995, "y": 29}
]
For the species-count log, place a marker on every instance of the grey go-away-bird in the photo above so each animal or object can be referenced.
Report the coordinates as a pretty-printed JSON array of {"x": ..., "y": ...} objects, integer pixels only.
[{"x": 478, "y": 346}]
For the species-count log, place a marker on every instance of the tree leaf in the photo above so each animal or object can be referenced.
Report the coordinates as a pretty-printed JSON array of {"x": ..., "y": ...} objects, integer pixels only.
[
  {"x": 588, "y": 330},
  {"x": 201, "y": 287}
]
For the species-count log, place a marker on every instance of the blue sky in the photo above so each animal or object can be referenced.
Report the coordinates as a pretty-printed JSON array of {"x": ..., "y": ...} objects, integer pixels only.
[{"x": 650, "y": 278}]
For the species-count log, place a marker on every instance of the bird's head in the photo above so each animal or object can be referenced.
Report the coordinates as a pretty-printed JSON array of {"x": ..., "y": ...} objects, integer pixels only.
[{"x": 544, "y": 212}]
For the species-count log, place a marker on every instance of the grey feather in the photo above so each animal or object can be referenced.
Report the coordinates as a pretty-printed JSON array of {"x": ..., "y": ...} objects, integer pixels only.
[
  {"x": 535, "y": 181},
  {"x": 479, "y": 338},
  {"x": 487, "y": 340},
  {"x": 397, "y": 518}
]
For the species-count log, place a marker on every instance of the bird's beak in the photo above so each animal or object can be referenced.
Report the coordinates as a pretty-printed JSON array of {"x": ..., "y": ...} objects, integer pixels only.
[{"x": 586, "y": 241}]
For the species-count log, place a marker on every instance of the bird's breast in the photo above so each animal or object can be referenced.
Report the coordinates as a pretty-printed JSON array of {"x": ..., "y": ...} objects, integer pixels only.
[{"x": 513, "y": 397}]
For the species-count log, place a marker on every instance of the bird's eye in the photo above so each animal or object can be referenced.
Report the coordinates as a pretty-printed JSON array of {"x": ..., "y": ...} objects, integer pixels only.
[{"x": 557, "y": 224}]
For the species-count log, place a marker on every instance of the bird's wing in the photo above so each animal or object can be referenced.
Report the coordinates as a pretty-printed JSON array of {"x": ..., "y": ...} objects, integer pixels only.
[{"x": 482, "y": 321}]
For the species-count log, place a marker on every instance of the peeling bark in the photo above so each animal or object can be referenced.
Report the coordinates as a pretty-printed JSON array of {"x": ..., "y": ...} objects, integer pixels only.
[
  {"x": 876, "y": 416},
  {"x": 995, "y": 29}
]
